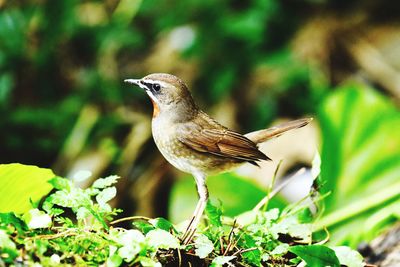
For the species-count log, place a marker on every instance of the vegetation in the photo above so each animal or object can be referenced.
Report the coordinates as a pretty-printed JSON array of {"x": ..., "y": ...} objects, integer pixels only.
[
  {"x": 248, "y": 63},
  {"x": 50, "y": 236}
]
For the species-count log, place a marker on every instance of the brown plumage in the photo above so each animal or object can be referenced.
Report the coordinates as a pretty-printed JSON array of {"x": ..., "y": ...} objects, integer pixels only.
[
  {"x": 203, "y": 134},
  {"x": 194, "y": 142}
]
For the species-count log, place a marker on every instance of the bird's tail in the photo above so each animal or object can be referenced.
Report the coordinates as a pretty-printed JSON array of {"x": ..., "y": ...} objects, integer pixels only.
[{"x": 267, "y": 134}]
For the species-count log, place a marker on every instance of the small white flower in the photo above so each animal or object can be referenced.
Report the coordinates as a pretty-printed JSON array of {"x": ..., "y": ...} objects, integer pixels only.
[{"x": 55, "y": 259}]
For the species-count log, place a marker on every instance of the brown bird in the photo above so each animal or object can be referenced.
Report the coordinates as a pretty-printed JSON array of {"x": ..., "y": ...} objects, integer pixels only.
[{"x": 195, "y": 143}]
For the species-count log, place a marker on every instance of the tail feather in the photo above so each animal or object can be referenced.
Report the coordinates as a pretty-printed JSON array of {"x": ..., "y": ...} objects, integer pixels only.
[{"x": 275, "y": 131}]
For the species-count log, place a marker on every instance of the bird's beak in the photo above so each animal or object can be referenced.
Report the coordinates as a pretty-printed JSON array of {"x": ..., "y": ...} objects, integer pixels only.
[
  {"x": 137, "y": 82},
  {"x": 133, "y": 81}
]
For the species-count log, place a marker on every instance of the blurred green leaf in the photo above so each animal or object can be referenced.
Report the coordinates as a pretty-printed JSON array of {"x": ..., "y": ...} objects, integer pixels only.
[
  {"x": 13, "y": 30},
  {"x": 22, "y": 184},
  {"x": 6, "y": 84},
  {"x": 229, "y": 188},
  {"x": 360, "y": 159}
]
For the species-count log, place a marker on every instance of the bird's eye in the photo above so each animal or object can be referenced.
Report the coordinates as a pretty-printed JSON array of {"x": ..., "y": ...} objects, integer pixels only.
[{"x": 156, "y": 87}]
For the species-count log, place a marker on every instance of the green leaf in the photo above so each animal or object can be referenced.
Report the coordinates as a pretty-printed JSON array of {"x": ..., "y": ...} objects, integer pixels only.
[
  {"x": 148, "y": 262},
  {"x": 132, "y": 243},
  {"x": 143, "y": 226},
  {"x": 252, "y": 256},
  {"x": 280, "y": 249},
  {"x": 316, "y": 255},
  {"x": 229, "y": 188},
  {"x": 158, "y": 238},
  {"x": 22, "y": 184},
  {"x": 162, "y": 224},
  {"x": 105, "y": 182},
  {"x": 214, "y": 214},
  {"x": 60, "y": 183},
  {"x": 5, "y": 241},
  {"x": 106, "y": 195},
  {"x": 37, "y": 219},
  {"x": 10, "y": 218},
  {"x": 348, "y": 256},
  {"x": 203, "y": 246},
  {"x": 114, "y": 260},
  {"x": 360, "y": 160},
  {"x": 221, "y": 260}
]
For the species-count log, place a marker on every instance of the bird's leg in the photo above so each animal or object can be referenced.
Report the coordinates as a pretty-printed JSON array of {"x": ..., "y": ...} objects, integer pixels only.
[{"x": 198, "y": 212}]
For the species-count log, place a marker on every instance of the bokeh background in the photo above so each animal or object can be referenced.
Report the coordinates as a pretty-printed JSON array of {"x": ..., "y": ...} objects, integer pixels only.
[{"x": 250, "y": 64}]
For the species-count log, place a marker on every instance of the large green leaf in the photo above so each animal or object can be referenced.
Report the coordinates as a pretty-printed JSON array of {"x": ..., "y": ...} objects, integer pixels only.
[
  {"x": 316, "y": 255},
  {"x": 22, "y": 184},
  {"x": 236, "y": 194},
  {"x": 360, "y": 160}
]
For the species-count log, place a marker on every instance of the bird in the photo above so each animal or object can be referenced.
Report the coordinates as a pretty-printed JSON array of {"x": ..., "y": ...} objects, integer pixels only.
[{"x": 195, "y": 143}]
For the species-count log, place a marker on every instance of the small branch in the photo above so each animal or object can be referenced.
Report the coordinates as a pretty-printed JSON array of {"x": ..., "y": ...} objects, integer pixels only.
[
  {"x": 265, "y": 200},
  {"x": 130, "y": 219}
]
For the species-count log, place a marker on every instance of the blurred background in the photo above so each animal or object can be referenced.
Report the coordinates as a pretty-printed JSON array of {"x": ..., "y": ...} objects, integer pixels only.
[{"x": 250, "y": 64}]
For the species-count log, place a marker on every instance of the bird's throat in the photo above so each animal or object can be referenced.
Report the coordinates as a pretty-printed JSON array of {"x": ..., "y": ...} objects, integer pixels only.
[{"x": 156, "y": 109}]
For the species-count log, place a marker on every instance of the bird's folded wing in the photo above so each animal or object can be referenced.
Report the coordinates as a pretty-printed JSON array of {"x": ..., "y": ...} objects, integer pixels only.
[{"x": 221, "y": 142}]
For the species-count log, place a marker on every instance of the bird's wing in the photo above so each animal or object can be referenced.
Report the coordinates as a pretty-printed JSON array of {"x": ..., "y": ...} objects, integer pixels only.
[{"x": 220, "y": 141}]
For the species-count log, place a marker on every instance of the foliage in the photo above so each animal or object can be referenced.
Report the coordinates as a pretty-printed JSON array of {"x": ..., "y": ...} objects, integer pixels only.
[
  {"x": 47, "y": 235},
  {"x": 22, "y": 184},
  {"x": 228, "y": 188},
  {"x": 58, "y": 57},
  {"x": 360, "y": 163},
  {"x": 61, "y": 69}
]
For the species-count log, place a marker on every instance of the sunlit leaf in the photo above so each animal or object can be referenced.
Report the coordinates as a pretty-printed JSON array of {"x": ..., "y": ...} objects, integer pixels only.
[
  {"x": 10, "y": 218},
  {"x": 203, "y": 245},
  {"x": 162, "y": 224},
  {"x": 106, "y": 195},
  {"x": 228, "y": 188},
  {"x": 214, "y": 214},
  {"x": 5, "y": 241},
  {"x": 37, "y": 219},
  {"x": 158, "y": 238},
  {"x": 348, "y": 257},
  {"x": 21, "y": 184},
  {"x": 105, "y": 182},
  {"x": 316, "y": 255},
  {"x": 221, "y": 260},
  {"x": 360, "y": 158}
]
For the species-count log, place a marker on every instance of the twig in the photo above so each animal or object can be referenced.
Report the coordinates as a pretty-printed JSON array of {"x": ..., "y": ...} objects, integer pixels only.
[
  {"x": 243, "y": 251},
  {"x": 265, "y": 200},
  {"x": 131, "y": 218},
  {"x": 179, "y": 257}
]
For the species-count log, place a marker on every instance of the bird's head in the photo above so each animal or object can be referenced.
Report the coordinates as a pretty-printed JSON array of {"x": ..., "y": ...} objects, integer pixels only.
[{"x": 167, "y": 92}]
